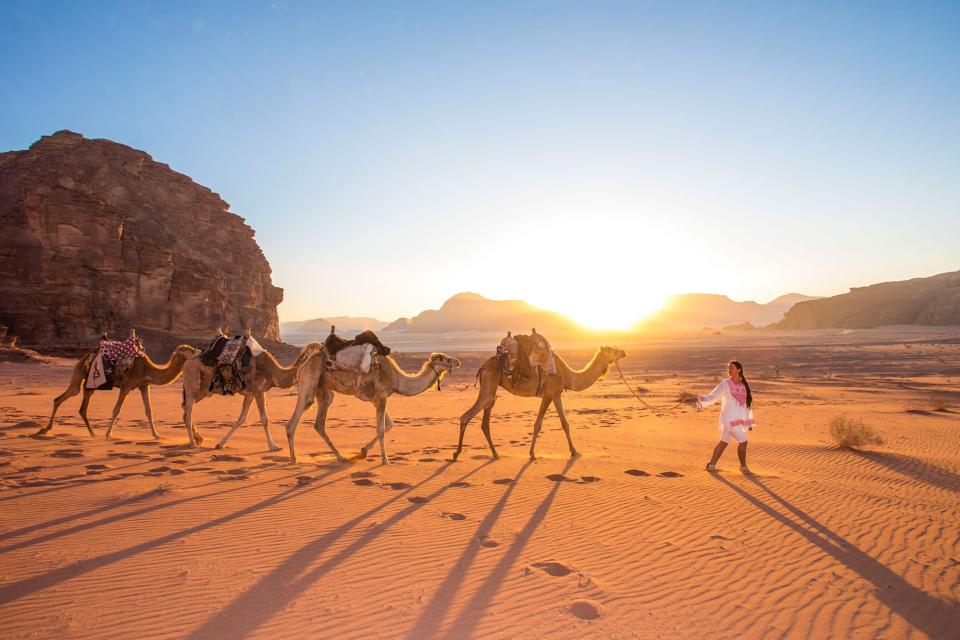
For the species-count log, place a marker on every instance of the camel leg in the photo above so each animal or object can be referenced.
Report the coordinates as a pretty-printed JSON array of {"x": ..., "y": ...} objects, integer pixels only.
[
  {"x": 324, "y": 400},
  {"x": 116, "y": 412},
  {"x": 72, "y": 390},
  {"x": 389, "y": 425},
  {"x": 485, "y": 426},
  {"x": 536, "y": 425},
  {"x": 194, "y": 439},
  {"x": 381, "y": 429},
  {"x": 84, "y": 405},
  {"x": 485, "y": 401},
  {"x": 305, "y": 395},
  {"x": 145, "y": 396},
  {"x": 558, "y": 404},
  {"x": 265, "y": 421},
  {"x": 247, "y": 402}
]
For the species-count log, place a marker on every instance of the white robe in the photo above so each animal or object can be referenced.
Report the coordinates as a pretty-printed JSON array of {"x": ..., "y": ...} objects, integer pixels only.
[{"x": 732, "y": 413}]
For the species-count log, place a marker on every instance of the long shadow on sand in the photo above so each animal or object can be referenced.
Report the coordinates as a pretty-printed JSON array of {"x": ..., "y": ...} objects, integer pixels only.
[
  {"x": 914, "y": 468},
  {"x": 433, "y": 614},
  {"x": 930, "y": 615},
  {"x": 275, "y": 591},
  {"x": 16, "y": 590},
  {"x": 472, "y": 612}
]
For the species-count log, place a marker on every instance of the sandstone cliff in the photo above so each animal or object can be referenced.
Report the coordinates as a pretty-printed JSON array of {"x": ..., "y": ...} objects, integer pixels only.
[
  {"x": 99, "y": 237},
  {"x": 922, "y": 301}
]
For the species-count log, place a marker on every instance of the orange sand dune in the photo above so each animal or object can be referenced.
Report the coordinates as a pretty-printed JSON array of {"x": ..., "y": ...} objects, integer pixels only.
[{"x": 147, "y": 539}]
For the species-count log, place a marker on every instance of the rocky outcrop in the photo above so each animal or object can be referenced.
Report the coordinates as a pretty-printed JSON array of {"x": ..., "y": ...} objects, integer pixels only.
[
  {"x": 921, "y": 301},
  {"x": 99, "y": 237},
  {"x": 692, "y": 310},
  {"x": 473, "y": 312}
]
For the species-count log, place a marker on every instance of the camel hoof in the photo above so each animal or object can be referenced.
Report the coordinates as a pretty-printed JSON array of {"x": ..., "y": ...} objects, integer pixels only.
[
  {"x": 574, "y": 454},
  {"x": 363, "y": 453},
  {"x": 273, "y": 448},
  {"x": 533, "y": 458},
  {"x": 220, "y": 446},
  {"x": 198, "y": 439}
]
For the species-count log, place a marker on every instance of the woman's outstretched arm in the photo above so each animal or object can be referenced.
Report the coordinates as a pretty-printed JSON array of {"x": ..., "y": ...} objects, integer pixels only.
[{"x": 713, "y": 396}]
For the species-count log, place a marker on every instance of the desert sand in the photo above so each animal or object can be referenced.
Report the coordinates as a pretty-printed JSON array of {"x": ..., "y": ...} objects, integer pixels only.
[{"x": 633, "y": 539}]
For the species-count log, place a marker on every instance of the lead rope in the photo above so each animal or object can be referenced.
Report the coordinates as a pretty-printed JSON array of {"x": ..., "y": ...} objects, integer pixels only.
[{"x": 642, "y": 401}]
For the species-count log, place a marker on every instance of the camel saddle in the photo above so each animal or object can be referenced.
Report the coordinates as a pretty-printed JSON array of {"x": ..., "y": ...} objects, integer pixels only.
[
  {"x": 335, "y": 343},
  {"x": 229, "y": 357},
  {"x": 110, "y": 357},
  {"x": 527, "y": 356}
]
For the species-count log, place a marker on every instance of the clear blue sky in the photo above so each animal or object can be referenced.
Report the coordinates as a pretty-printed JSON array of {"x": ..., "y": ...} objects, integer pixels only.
[{"x": 592, "y": 157}]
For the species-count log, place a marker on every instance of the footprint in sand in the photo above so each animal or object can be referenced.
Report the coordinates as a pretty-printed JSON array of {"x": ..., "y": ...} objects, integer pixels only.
[
  {"x": 162, "y": 469},
  {"x": 558, "y": 477},
  {"x": 177, "y": 472},
  {"x": 504, "y": 481},
  {"x": 636, "y": 472},
  {"x": 362, "y": 474},
  {"x": 275, "y": 458},
  {"x": 303, "y": 481},
  {"x": 31, "y": 469},
  {"x": 397, "y": 485},
  {"x": 418, "y": 499},
  {"x": 230, "y": 477},
  {"x": 68, "y": 453},
  {"x": 488, "y": 542},
  {"x": 719, "y": 537},
  {"x": 427, "y": 460},
  {"x": 239, "y": 471},
  {"x": 96, "y": 467},
  {"x": 363, "y": 482},
  {"x": 555, "y": 569},
  {"x": 670, "y": 474},
  {"x": 479, "y": 457},
  {"x": 227, "y": 458},
  {"x": 589, "y": 479},
  {"x": 454, "y": 516},
  {"x": 585, "y": 609},
  {"x": 460, "y": 484}
]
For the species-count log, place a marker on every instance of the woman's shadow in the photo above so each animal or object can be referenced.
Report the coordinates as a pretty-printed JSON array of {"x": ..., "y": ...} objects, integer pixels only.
[{"x": 930, "y": 615}]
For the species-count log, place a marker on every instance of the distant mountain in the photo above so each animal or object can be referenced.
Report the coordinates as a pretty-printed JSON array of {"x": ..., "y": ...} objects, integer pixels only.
[
  {"x": 345, "y": 325},
  {"x": 696, "y": 310},
  {"x": 922, "y": 301},
  {"x": 473, "y": 312}
]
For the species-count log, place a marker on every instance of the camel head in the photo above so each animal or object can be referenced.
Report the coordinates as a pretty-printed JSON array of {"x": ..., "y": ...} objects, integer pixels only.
[
  {"x": 185, "y": 351},
  {"x": 612, "y": 354},
  {"x": 443, "y": 362}
]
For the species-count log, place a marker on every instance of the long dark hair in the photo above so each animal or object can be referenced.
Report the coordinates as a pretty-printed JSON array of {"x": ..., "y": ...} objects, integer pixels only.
[{"x": 745, "y": 383}]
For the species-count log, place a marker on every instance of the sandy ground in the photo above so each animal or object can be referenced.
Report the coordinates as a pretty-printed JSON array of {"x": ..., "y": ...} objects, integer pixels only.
[{"x": 142, "y": 538}]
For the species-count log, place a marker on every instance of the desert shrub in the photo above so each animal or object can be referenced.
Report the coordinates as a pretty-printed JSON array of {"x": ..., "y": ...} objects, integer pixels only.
[
  {"x": 852, "y": 434},
  {"x": 685, "y": 396},
  {"x": 939, "y": 401}
]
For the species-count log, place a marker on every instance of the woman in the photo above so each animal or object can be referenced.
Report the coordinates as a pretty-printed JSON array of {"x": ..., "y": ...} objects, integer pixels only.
[{"x": 736, "y": 414}]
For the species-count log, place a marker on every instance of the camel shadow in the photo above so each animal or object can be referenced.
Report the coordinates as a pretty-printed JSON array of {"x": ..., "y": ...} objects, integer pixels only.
[
  {"x": 13, "y": 591},
  {"x": 930, "y": 615},
  {"x": 914, "y": 468},
  {"x": 433, "y": 614},
  {"x": 473, "y": 611},
  {"x": 275, "y": 591}
]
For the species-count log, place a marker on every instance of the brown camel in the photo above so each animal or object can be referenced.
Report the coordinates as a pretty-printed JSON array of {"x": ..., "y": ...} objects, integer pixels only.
[
  {"x": 262, "y": 374},
  {"x": 143, "y": 373},
  {"x": 491, "y": 376},
  {"x": 315, "y": 382}
]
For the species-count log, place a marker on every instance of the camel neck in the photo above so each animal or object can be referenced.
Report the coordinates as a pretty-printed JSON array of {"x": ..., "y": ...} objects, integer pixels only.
[
  {"x": 411, "y": 385},
  {"x": 578, "y": 380},
  {"x": 165, "y": 373}
]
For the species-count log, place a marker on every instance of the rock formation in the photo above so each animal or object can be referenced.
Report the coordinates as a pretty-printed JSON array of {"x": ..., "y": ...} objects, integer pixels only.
[
  {"x": 473, "y": 312},
  {"x": 99, "y": 237},
  {"x": 922, "y": 301}
]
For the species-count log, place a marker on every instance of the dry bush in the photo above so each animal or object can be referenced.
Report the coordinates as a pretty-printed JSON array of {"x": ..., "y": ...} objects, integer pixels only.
[
  {"x": 852, "y": 434},
  {"x": 686, "y": 396},
  {"x": 939, "y": 401}
]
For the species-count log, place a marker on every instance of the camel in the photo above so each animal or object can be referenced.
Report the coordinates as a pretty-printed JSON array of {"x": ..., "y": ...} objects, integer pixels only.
[
  {"x": 143, "y": 373},
  {"x": 262, "y": 374},
  {"x": 315, "y": 382},
  {"x": 491, "y": 376}
]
